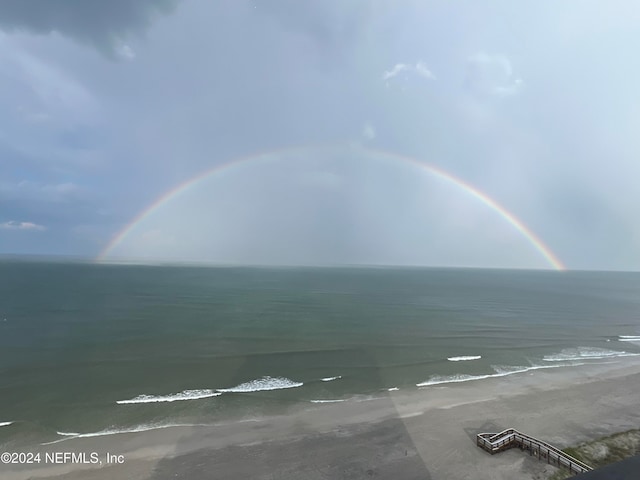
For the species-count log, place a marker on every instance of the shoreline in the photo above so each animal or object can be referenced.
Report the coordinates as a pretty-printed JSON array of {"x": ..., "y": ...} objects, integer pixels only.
[{"x": 426, "y": 432}]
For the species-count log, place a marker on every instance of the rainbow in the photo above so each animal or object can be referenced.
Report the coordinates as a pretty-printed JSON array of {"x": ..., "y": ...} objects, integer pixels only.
[{"x": 181, "y": 188}]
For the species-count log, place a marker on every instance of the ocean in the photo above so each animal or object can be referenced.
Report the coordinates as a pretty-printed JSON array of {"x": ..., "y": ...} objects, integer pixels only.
[{"x": 90, "y": 350}]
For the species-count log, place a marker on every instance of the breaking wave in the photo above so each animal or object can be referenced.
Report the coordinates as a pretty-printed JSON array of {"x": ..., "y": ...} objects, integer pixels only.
[
  {"x": 262, "y": 384},
  {"x": 501, "y": 371},
  {"x": 586, "y": 353},
  {"x": 174, "y": 397},
  {"x": 464, "y": 358},
  {"x": 629, "y": 338},
  {"x": 329, "y": 379}
]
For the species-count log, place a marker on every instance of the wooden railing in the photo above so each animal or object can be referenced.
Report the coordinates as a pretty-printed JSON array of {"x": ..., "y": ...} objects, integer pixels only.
[{"x": 510, "y": 438}]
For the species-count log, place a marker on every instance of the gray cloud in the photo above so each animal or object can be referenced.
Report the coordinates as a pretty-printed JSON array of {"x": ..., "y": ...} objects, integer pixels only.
[
  {"x": 335, "y": 26},
  {"x": 419, "y": 68},
  {"x": 368, "y": 131},
  {"x": 49, "y": 193},
  {"x": 13, "y": 225},
  {"x": 58, "y": 205},
  {"x": 492, "y": 74},
  {"x": 86, "y": 143},
  {"x": 105, "y": 24},
  {"x": 396, "y": 70}
]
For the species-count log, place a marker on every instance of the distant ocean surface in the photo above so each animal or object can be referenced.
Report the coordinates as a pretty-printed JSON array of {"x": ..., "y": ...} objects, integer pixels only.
[{"x": 100, "y": 349}]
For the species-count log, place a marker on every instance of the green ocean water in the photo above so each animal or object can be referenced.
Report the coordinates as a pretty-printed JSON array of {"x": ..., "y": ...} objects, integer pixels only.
[{"x": 96, "y": 349}]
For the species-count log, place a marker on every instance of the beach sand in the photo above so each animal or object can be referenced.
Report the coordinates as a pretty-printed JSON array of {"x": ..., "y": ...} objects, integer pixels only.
[{"x": 426, "y": 433}]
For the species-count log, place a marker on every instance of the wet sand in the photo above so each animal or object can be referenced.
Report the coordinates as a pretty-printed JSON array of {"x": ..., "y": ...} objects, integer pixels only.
[{"x": 426, "y": 433}]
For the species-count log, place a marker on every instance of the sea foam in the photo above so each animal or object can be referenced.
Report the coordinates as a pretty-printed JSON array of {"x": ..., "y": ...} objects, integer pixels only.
[
  {"x": 586, "y": 353},
  {"x": 327, "y": 401},
  {"x": 174, "y": 397},
  {"x": 262, "y": 384},
  {"x": 464, "y": 358},
  {"x": 329, "y": 379}
]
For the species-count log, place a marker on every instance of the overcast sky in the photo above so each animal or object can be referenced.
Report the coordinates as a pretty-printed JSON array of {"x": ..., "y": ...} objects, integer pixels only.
[{"x": 107, "y": 105}]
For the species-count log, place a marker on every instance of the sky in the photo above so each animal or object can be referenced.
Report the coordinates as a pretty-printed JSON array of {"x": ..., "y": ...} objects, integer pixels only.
[{"x": 105, "y": 107}]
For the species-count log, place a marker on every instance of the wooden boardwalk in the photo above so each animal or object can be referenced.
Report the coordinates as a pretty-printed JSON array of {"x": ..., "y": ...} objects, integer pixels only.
[{"x": 510, "y": 438}]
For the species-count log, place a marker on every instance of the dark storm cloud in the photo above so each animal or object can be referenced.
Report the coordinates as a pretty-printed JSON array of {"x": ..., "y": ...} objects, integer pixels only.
[{"x": 103, "y": 23}]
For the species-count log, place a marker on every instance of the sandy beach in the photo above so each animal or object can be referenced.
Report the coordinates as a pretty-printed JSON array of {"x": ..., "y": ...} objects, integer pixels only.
[{"x": 424, "y": 433}]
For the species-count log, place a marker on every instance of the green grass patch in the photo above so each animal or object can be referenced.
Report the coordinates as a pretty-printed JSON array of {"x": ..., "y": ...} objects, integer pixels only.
[{"x": 603, "y": 451}]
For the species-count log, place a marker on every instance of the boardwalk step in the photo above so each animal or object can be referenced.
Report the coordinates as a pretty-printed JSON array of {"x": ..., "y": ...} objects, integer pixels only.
[{"x": 511, "y": 438}]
